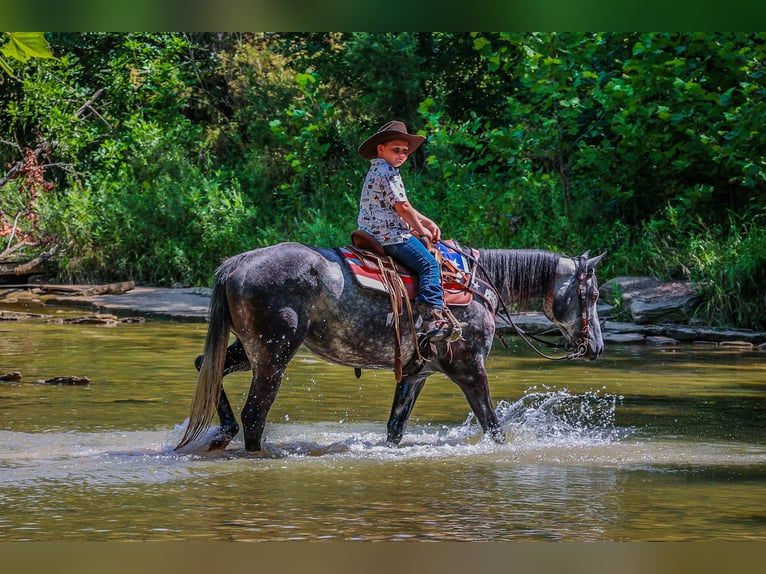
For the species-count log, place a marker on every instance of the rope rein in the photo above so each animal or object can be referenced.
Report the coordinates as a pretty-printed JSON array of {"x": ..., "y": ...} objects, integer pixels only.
[{"x": 581, "y": 344}]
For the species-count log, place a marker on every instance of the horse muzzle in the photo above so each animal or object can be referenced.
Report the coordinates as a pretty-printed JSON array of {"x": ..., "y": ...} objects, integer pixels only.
[{"x": 592, "y": 352}]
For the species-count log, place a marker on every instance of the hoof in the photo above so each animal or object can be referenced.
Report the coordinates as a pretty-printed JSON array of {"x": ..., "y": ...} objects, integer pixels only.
[
  {"x": 497, "y": 436},
  {"x": 393, "y": 442},
  {"x": 218, "y": 440}
]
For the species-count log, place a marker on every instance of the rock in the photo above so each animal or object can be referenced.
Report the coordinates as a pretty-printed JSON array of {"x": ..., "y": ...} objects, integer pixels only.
[
  {"x": 15, "y": 376},
  {"x": 737, "y": 344},
  {"x": 624, "y": 327},
  {"x": 18, "y": 316},
  {"x": 685, "y": 333},
  {"x": 98, "y": 319},
  {"x": 529, "y": 322},
  {"x": 622, "y": 338},
  {"x": 649, "y": 300},
  {"x": 705, "y": 343},
  {"x": 661, "y": 341},
  {"x": 133, "y": 320},
  {"x": 67, "y": 380}
]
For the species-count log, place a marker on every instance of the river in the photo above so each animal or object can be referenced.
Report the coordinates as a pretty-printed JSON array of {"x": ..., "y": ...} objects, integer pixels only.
[{"x": 644, "y": 444}]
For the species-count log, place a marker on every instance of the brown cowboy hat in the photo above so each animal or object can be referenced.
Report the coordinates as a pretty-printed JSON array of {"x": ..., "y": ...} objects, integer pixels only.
[{"x": 390, "y": 131}]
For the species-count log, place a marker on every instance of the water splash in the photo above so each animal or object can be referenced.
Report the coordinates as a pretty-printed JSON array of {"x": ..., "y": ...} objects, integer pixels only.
[
  {"x": 556, "y": 415},
  {"x": 540, "y": 418}
]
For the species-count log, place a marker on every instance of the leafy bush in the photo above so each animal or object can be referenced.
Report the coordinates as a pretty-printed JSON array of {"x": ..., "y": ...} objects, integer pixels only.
[{"x": 648, "y": 145}]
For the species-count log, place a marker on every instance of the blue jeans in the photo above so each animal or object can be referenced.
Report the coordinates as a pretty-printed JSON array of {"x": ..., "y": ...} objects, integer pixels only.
[{"x": 413, "y": 255}]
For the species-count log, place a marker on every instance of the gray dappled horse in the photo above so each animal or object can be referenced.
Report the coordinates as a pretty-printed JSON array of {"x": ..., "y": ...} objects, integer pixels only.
[{"x": 276, "y": 298}]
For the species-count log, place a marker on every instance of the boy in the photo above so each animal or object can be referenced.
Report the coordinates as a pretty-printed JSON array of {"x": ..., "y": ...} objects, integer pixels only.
[{"x": 386, "y": 214}]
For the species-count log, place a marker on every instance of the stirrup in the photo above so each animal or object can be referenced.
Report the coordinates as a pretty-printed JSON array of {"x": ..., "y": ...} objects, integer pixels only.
[
  {"x": 456, "y": 326},
  {"x": 435, "y": 327},
  {"x": 438, "y": 331}
]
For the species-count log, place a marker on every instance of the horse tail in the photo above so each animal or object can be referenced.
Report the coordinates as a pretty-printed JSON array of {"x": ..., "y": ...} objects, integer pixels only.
[{"x": 207, "y": 393}]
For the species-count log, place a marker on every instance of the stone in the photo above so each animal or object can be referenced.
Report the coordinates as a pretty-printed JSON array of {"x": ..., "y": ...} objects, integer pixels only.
[
  {"x": 661, "y": 341},
  {"x": 622, "y": 338},
  {"x": 65, "y": 380},
  {"x": 737, "y": 344},
  {"x": 649, "y": 300}
]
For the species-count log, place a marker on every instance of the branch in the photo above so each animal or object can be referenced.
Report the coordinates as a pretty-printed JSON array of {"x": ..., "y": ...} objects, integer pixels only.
[
  {"x": 38, "y": 151},
  {"x": 29, "y": 265},
  {"x": 87, "y": 106},
  {"x": 10, "y": 250},
  {"x": 46, "y": 145}
]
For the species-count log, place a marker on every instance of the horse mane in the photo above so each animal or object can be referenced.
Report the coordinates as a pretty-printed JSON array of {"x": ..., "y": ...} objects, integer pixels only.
[{"x": 519, "y": 274}]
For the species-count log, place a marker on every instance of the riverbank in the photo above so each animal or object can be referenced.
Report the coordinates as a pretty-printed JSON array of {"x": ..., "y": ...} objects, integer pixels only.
[
  {"x": 183, "y": 304},
  {"x": 191, "y": 304}
]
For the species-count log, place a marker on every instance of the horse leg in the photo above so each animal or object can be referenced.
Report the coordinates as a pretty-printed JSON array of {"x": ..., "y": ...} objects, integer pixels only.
[
  {"x": 404, "y": 400},
  {"x": 263, "y": 391},
  {"x": 269, "y": 358},
  {"x": 229, "y": 427},
  {"x": 236, "y": 359},
  {"x": 471, "y": 377}
]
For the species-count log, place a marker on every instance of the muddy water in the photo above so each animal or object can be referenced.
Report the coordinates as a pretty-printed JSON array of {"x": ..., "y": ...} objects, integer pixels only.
[{"x": 643, "y": 444}]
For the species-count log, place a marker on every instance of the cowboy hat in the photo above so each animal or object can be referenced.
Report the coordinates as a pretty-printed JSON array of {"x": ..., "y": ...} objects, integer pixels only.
[{"x": 390, "y": 131}]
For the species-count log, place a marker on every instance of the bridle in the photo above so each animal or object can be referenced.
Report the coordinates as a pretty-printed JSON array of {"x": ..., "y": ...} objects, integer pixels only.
[{"x": 583, "y": 275}]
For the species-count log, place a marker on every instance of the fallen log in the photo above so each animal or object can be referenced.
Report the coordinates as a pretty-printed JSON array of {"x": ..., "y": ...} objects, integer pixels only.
[
  {"x": 97, "y": 319},
  {"x": 81, "y": 290},
  {"x": 110, "y": 289},
  {"x": 29, "y": 266}
]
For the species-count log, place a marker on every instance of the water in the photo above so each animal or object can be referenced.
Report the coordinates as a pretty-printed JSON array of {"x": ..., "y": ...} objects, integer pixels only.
[{"x": 643, "y": 444}]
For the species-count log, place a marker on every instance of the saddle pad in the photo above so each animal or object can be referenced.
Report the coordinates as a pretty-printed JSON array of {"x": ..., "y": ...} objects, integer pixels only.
[
  {"x": 364, "y": 265},
  {"x": 447, "y": 249}
]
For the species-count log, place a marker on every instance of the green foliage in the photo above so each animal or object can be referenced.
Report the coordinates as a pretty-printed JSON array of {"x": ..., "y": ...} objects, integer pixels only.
[
  {"x": 648, "y": 145},
  {"x": 22, "y": 46}
]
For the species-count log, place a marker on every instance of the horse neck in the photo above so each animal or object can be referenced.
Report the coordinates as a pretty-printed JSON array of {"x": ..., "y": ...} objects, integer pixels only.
[{"x": 520, "y": 274}]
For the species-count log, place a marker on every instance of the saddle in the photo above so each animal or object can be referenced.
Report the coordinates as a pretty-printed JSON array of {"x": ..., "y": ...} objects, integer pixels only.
[
  {"x": 374, "y": 269},
  {"x": 371, "y": 268}
]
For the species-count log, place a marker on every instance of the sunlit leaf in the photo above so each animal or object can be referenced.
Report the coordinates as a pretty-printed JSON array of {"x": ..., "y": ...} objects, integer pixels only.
[{"x": 25, "y": 45}]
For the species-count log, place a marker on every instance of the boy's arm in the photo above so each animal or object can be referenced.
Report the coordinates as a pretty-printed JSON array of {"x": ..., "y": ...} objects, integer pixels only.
[{"x": 421, "y": 225}]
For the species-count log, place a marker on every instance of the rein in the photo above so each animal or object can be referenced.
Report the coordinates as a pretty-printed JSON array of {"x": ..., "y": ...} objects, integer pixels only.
[{"x": 581, "y": 344}]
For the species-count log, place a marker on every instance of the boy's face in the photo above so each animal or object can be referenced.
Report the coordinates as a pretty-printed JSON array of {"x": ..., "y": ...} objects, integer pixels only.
[{"x": 394, "y": 152}]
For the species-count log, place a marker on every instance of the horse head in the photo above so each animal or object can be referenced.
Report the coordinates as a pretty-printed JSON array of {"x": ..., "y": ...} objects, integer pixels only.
[{"x": 572, "y": 304}]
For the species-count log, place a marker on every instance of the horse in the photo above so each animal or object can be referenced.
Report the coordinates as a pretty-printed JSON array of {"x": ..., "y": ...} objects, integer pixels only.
[{"x": 276, "y": 298}]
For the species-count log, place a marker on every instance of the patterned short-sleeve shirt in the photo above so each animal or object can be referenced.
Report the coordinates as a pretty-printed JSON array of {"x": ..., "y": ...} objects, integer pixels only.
[{"x": 383, "y": 188}]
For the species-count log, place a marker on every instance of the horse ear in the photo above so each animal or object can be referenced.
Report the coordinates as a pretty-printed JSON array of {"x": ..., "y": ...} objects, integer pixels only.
[{"x": 593, "y": 261}]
